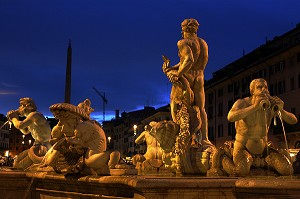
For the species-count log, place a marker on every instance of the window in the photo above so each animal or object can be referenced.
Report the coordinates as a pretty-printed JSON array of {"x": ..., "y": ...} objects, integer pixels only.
[
  {"x": 271, "y": 70},
  {"x": 220, "y": 109},
  {"x": 281, "y": 65},
  {"x": 210, "y": 112},
  {"x": 211, "y": 133},
  {"x": 271, "y": 89},
  {"x": 275, "y": 89},
  {"x": 210, "y": 98},
  {"x": 230, "y": 88},
  {"x": 292, "y": 83},
  {"x": 231, "y": 130},
  {"x": 220, "y": 130},
  {"x": 230, "y": 103},
  {"x": 236, "y": 87},
  {"x": 281, "y": 87},
  {"x": 220, "y": 92}
]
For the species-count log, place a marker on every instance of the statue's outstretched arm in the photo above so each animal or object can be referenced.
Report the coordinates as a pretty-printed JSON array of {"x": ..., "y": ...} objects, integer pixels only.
[
  {"x": 140, "y": 139},
  {"x": 239, "y": 111}
]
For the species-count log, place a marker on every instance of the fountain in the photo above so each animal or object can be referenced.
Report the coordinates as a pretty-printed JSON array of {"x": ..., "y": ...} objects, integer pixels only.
[{"x": 180, "y": 161}]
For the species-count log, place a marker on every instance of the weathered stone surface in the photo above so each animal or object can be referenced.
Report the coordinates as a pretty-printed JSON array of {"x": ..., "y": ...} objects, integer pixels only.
[{"x": 17, "y": 184}]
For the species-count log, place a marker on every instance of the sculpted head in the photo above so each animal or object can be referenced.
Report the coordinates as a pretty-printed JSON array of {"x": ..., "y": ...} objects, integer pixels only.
[
  {"x": 190, "y": 26},
  {"x": 259, "y": 86},
  {"x": 27, "y": 106}
]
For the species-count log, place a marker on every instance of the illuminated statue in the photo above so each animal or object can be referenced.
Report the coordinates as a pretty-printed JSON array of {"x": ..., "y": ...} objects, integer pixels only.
[
  {"x": 36, "y": 124},
  {"x": 79, "y": 144},
  {"x": 187, "y": 99},
  {"x": 187, "y": 76},
  {"x": 152, "y": 159},
  {"x": 252, "y": 116}
]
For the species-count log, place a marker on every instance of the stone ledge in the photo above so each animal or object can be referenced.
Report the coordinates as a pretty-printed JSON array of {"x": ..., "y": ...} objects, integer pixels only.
[{"x": 44, "y": 184}]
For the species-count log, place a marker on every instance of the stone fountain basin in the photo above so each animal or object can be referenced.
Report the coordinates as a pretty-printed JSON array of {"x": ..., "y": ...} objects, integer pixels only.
[{"x": 46, "y": 185}]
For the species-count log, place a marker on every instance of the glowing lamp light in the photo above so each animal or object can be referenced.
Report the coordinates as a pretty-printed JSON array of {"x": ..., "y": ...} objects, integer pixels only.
[
  {"x": 10, "y": 123},
  {"x": 23, "y": 136},
  {"x": 134, "y": 129},
  {"x": 6, "y": 153},
  {"x": 109, "y": 138},
  {"x": 29, "y": 141},
  {"x": 23, "y": 142}
]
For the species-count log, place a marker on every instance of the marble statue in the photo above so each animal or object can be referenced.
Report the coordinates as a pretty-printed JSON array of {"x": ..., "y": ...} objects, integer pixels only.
[
  {"x": 252, "y": 116},
  {"x": 79, "y": 144},
  {"x": 187, "y": 76},
  {"x": 152, "y": 159},
  {"x": 187, "y": 99},
  {"x": 36, "y": 124}
]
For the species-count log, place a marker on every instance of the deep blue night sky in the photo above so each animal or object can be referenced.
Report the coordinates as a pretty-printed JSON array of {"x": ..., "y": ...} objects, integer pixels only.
[{"x": 117, "y": 46}]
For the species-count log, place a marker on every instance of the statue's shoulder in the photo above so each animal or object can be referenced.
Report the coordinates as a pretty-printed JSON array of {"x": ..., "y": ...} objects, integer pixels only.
[
  {"x": 35, "y": 114},
  {"x": 202, "y": 42},
  {"x": 244, "y": 102},
  {"x": 183, "y": 42}
]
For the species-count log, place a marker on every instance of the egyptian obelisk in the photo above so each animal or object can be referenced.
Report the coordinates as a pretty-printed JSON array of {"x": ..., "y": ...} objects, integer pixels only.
[{"x": 68, "y": 75}]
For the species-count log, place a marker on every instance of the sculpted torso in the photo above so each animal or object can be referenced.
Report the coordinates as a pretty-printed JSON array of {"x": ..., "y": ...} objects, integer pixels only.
[
  {"x": 193, "y": 50},
  {"x": 38, "y": 126},
  {"x": 154, "y": 150},
  {"x": 252, "y": 129}
]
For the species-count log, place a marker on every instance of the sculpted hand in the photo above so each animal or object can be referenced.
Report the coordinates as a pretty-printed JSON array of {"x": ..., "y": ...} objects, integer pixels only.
[
  {"x": 166, "y": 64},
  {"x": 261, "y": 102},
  {"x": 277, "y": 103},
  {"x": 172, "y": 77},
  {"x": 12, "y": 114},
  {"x": 256, "y": 101}
]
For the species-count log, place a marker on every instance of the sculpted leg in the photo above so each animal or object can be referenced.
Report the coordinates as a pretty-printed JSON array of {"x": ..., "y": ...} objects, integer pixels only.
[
  {"x": 200, "y": 102},
  {"x": 22, "y": 161},
  {"x": 204, "y": 127},
  {"x": 99, "y": 163},
  {"x": 228, "y": 166},
  {"x": 242, "y": 161},
  {"x": 279, "y": 163}
]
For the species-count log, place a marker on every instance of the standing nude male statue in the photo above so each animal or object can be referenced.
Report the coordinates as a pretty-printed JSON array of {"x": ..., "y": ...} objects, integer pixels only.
[{"x": 193, "y": 54}]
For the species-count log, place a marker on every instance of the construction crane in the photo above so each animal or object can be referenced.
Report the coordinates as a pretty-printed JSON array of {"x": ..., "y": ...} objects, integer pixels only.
[{"x": 103, "y": 99}]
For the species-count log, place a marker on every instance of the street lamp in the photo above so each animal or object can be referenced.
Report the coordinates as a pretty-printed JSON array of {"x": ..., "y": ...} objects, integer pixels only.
[
  {"x": 109, "y": 139},
  {"x": 10, "y": 123},
  {"x": 134, "y": 134},
  {"x": 134, "y": 129}
]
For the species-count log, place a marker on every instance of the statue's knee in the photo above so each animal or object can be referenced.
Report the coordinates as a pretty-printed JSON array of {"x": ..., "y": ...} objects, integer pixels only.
[{"x": 280, "y": 163}]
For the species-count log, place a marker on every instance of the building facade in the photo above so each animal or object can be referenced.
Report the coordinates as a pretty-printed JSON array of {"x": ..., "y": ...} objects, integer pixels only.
[
  {"x": 4, "y": 137},
  {"x": 121, "y": 132},
  {"x": 278, "y": 62}
]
